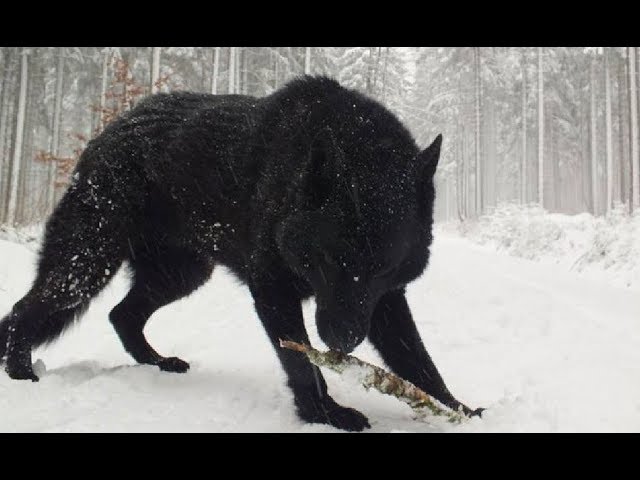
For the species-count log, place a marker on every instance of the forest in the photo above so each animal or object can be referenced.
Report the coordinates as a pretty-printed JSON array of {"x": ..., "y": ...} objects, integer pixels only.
[
  {"x": 554, "y": 127},
  {"x": 529, "y": 304}
]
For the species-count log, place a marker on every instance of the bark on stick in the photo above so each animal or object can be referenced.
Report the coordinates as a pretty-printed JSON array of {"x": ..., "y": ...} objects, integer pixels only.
[{"x": 372, "y": 376}]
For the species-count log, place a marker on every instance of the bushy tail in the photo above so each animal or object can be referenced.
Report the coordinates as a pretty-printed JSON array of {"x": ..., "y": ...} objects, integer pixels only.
[
  {"x": 84, "y": 245},
  {"x": 50, "y": 324}
]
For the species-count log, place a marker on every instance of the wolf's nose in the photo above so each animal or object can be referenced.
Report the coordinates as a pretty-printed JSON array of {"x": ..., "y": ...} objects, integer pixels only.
[
  {"x": 352, "y": 340},
  {"x": 347, "y": 342}
]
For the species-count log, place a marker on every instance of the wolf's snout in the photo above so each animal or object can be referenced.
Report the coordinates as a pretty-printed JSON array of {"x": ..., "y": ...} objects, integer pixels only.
[{"x": 341, "y": 330}]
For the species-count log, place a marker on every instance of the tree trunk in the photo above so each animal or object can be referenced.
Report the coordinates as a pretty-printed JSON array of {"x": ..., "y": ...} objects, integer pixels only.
[
  {"x": 488, "y": 149},
  {"x": 287, "y": 70},
  {"x": 232, "y": 70},
  {"x": 466, "y": 189},
  {"x": 14, "y": 178},
  {"x": 523, "y": 161},
  {"x": 478, "y": 176},
  {"x": 245, "y": 71},
  {"x": 585, "y": 160},
  {"x": 307, "y": 61},
  {"x": 595, "y": 200},
  {"x": 376, "y": 71},
  {"x": 7, "y": 107},
  {"x": 384, "y": 74},
  {"x": 368, "y": 85},
  {"x": 555, "y": 162},
  {"x": 28, "y": 202},
  {"x": 57, "y": 110},
  {"x": 608, "y": 129},
  {"x": 106, "y": 60},
  {"x": 238, "y": 63},
  {"x": 458, "y": 151},
  {"x": 635, "y": 159},
  {"x": 4, "y": 51},
  {"x": 276, "y": 68},
  {"x": 621, "y": 87},
  {"x": 216, "y": 69},
  {"x": 155, "y": 69},
  {"x": 55, "y": 137},
  {"x": 5, "y": 73},
  {"x": 540, "y": 131}
]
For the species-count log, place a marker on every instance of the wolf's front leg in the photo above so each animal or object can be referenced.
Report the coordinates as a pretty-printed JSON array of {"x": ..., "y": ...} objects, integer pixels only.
[
  {"x": 280, "y": 311},
  {"x": 394, "y": 334}
]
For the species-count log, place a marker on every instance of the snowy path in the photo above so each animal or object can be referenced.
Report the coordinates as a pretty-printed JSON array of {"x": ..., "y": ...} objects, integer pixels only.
[{"x": 542, "y": 348}]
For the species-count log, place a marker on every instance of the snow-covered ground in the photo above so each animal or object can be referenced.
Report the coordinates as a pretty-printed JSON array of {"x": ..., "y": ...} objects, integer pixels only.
[{"x": 542, "y": 347}]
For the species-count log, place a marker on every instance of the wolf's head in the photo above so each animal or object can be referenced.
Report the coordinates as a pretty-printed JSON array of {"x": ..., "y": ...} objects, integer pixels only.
[{"x": 362, "y": 225}]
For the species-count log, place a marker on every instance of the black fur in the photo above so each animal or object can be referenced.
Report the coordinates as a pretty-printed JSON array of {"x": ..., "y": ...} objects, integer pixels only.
[{"x": 313, "y": 190}]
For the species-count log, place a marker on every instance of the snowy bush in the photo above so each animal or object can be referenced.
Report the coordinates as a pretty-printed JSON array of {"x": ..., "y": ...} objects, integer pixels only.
[
  {"x": 583, "y": 242},
  {"x": 521, "y": 232},
  {"x": 615, "y": 242}
]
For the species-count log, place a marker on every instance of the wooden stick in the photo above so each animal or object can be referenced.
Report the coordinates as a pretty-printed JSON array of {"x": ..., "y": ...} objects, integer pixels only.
[{"x": 372, "y": 376}]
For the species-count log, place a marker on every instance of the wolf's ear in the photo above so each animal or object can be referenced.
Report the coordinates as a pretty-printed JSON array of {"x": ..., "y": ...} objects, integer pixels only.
[{"x": 429, "y": 157}]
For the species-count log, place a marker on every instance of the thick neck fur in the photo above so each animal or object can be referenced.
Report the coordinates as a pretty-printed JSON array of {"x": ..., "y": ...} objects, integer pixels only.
[
  {"x": 363, "y": 177},
  {"x": 368, "y": 142}
]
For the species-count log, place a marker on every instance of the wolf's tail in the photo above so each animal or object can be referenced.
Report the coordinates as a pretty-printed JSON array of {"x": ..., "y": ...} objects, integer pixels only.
[
  {"x": 53, "y": 325},
  {"x": 84, "y": 244}
]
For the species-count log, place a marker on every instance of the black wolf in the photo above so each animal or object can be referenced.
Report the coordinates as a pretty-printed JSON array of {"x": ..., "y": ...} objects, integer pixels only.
[{"x": 312, "y": 190}]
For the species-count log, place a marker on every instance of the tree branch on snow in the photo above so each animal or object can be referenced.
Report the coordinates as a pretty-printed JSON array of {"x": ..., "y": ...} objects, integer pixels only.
[{"x": 372, "y": 376}]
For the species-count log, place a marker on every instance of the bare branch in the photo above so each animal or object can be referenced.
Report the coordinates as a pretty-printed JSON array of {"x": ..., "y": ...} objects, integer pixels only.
[{"x": 372, "y": 376}]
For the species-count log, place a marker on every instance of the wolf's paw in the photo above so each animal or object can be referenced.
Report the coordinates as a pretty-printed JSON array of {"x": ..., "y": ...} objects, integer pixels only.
[
  {"x": 475, "y": 413},
  {"x": 335, "y": 415},
  {"x": 347, "y": 419},
  {"x": 22, "y": 373},
  {"x": 461, "y": 407},
  {"x": 173, "y": 364}
]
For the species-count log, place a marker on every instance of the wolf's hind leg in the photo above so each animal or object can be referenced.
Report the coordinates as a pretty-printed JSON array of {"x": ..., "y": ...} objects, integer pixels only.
[
  {"x": 158, "y": 281},
  {"x": 57, "y": 298},
  {"x": 83, "y": 247}
]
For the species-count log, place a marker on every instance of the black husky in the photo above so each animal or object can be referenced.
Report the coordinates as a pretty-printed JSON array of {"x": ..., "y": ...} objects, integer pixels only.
[{"x": 313, "y": 190}]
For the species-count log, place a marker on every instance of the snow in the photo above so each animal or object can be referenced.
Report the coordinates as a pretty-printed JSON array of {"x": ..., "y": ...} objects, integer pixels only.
[
  {"x": 597, "y": 247},
  {"x": 544, "y": 348}
]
